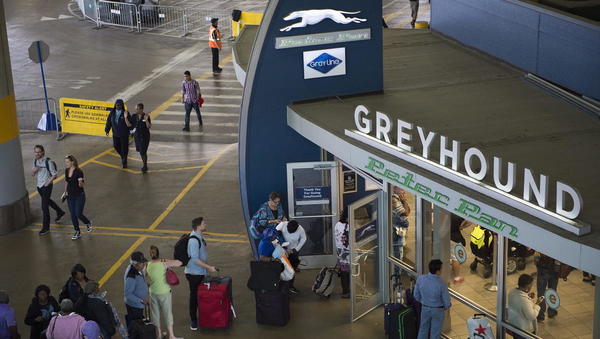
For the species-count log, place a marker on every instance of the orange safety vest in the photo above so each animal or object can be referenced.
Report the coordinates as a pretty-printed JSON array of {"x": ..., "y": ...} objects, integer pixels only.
[{"x": 214, "y": 38}]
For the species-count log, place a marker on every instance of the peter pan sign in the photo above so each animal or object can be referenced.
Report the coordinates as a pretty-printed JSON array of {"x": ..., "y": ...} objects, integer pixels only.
[{"x": 476, "y": 166}]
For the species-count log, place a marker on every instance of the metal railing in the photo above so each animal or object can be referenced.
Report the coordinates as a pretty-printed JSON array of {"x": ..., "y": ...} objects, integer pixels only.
[
  {"x": 167, "y": 20},
  {"x": 30, "y": 111}
]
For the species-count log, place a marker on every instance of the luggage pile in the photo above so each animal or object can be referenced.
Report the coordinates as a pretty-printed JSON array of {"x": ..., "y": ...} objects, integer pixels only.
[
  {"x": 271, "y": 295},
  {"x": 215, "y": 306},
  {"x": 402, "y": 314}
]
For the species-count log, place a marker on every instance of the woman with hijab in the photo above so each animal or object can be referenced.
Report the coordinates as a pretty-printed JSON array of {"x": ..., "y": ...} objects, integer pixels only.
[{"x": 118, "y": 121}]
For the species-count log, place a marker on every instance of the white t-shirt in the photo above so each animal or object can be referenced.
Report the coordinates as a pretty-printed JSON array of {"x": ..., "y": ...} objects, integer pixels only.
[{"x": 296, "y": 240}]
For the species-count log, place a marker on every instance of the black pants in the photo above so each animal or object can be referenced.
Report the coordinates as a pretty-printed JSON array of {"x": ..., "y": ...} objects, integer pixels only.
[
  {"x": 215, "y": 59},
  {"x": 295, "y": 261},
  {"x": 194, "y": 281},
  {"x": 47, "y": 202},
  {"x": 133, "y": 313},
  {"x": 345, "y": 278},
  {"x": 121, "y": 145}
]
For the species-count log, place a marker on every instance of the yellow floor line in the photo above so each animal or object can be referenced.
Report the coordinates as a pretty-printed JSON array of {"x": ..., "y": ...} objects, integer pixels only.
[
  {"x": 137, "y": 229},
  {"x": 116, "y": 167},
  {"x": 120, "y": 261},
  {"x": 131, "y": 235},
  {"x": 187, "y": 188},
  {"x": 158, "y": 162},
  {"x": 176, "y": 169}
]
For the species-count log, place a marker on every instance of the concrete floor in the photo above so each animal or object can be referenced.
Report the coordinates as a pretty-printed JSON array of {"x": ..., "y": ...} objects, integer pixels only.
[{"x": 194, "y": 174}]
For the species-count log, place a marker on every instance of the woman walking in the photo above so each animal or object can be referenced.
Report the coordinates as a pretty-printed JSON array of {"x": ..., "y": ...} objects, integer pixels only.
[
  {"x": 341, "y": 233},
  {"x": 75, "y": 195},
  {"x": 141, "y": 124},
  {"x": 117, "y": 120},
  {"x": 160, "y": 291}
]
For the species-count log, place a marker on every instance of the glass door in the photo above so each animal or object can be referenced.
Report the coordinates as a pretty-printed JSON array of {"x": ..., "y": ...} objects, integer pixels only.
[
  {"x": 312, "y": 198},
  {"x": 365, "y": 220}
]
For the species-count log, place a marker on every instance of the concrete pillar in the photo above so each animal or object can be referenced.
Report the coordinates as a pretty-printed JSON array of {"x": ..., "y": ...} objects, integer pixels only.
[{"x": 14, "y": 201}]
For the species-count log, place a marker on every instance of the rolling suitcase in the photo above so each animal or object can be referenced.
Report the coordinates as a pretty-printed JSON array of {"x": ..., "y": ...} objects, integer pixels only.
[
  {"x": 215, "y": 308},
  {"x": 265, "y": 275},
  {"x": 272, "y": 307},
  {"x": 142, "y": 328},
  {"x": 400, "y": 321},
  {"x": 325, "y": 282}
]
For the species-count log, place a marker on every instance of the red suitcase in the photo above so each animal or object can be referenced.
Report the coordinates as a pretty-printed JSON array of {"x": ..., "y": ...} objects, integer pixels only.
[{"x": 215, "y": 308}]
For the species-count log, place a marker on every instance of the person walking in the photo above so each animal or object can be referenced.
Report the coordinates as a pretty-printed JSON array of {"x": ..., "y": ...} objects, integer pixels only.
[
  {"x": 432, "y": 292},
  {"x": 141, "y": 123},
  {"x": 522, "y": 310},
  {"x": 67, "y": 324},
  {"x": 160, "y": 291},
  {"x": 40, "y": 311},
  {"x": 215, "y": 44},
  {"x": 92, "y": 306},
  {"x": 118, "y": 122},
  {"x": 197, "y": 267},
  {"x": 190, "y": 92},
  {"x": 414, "y": 11},
  {"x": 46, "y": 171},
  {"x": 342, "y": 244},
  {"x": 548, "y": 271},
  {"x": 400, "y": 213},
  {"x": 75, "y": 195},
  {"x": 8, "y": 321},
  {"x": 136, "y": 289}
]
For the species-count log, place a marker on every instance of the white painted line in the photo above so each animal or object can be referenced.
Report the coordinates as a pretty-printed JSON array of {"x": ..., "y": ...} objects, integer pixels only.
[
  {"x": 141, "y": 85},
  {"x": 226, "y": 88},
  {"x": 177, "y": 122},
  {"x": 211, "y": 105},
  {"x": 199, "y": 134},
  {"x": 222, "y": 96},
  {"x": 45, "y": 18},
  {"x": 204, "y": 114},
  {"x": 63, "y": 16}
]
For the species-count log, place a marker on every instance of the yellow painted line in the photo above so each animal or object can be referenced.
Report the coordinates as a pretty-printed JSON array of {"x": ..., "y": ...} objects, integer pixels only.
[
  {"x": 92, "y": 159},
  {"x": 139, "y": 229},
  {"x": 187, "y": 188},
  {"x": 9, "y": 128},
  {"x": 391, "y": 16},
  {"x": 116, "y": 167},
  {"x": 159, "y": 162},
  {"x": 120, "y": 261},
  {"x": 176, "y": 169},
  {"x": 131, "y": 235}
]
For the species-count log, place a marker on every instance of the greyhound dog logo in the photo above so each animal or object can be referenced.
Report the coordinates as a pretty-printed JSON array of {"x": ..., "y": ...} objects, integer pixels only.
[{"x": 314, "y": 16}]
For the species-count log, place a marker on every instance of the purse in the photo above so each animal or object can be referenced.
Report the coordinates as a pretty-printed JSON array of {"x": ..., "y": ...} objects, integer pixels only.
[
  {"x": 172, "y": 278},
  {"x": 200, "y": 101}
]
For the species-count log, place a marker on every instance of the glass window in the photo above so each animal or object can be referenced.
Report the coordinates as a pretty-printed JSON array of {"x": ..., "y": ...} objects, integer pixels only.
[
  {"x": 567, "y": 310},
  {"x": 403, "y": 226}
]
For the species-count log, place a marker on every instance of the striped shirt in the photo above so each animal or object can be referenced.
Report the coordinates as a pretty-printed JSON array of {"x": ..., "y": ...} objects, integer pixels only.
[{"x": 190, "y": 91}]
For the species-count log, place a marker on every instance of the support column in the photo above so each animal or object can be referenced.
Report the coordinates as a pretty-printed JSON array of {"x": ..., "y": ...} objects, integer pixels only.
[
  {"x": 14, "y": 201},
  {"x": 596, "y": 333}
]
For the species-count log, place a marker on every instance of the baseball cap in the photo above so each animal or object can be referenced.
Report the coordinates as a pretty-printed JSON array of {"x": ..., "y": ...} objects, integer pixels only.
[{"x": 138, "y": 258}]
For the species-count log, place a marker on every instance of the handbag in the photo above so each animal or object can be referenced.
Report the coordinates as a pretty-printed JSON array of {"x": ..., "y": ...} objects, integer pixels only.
[
  {"x": 200, "y": 101},
  {"x": 172, "y": 278}
]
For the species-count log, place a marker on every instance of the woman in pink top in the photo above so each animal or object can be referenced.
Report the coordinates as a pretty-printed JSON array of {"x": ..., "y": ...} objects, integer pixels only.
[{"x": 67, "y": 324}]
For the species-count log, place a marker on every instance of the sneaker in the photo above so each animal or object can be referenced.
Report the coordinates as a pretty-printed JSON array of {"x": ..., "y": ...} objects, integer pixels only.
[
  {"x": 76, "y": 236},
  {"x": 44, "y": 231},
  {"x": 294, "y": 290},
  {"x": 346, "y": 296},
  {"x": 194, "y": 326},
  {"x": 89, "y": 226},
  {"x": 59, "y": 216},
  {"x": 186, "y": 129},
  {"x": 458, "y": 280},
  {"x": 144, "y": 169}
]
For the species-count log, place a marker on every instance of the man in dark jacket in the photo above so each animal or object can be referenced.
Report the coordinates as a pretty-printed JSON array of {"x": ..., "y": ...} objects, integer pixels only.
[
  {"x": 93, "y": 307},
  {"x": 118, "y": 121},
  {"x": 40, "y": 311}
]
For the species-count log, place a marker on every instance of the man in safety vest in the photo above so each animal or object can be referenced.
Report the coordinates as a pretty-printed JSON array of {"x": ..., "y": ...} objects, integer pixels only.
[{"x": 214, "y": 41}]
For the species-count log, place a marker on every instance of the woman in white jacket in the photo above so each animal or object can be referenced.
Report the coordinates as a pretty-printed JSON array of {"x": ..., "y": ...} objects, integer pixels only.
[{"x": 522, "y": 310}]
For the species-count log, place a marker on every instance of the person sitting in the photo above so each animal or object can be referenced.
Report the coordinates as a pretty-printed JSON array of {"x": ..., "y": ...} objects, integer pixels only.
[
  {"x": 40, "y": 311},
  {"x": 522, "y": 310},
  {"x": 8, "y": 321},
  {"x": 295, "y": 236},
  {"x": 67, "y": 324},
  {"x": 93, "y": 307},
  {"x": 270, "y": 214}
]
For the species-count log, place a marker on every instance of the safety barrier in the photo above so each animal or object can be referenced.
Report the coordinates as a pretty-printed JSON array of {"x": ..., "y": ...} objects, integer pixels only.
[
  {"x": 167, "y": 20},
  {"x": 30, "y": 111},
  {"x": 118, "y": 14}
]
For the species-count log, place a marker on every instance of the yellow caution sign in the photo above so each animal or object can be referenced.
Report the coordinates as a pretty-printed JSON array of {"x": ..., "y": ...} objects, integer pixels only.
[{"x": 84, "y": 116}]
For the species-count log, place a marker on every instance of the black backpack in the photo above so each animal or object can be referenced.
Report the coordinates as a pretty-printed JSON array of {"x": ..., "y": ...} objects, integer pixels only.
[{"x": 181, "y": 253}]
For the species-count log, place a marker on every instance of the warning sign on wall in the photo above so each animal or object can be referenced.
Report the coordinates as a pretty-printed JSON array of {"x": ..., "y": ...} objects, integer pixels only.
[{"x": 84, "y": 116}]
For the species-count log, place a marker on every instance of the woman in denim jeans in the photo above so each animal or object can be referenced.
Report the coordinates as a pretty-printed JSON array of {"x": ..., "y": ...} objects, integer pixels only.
[{"x": 75, "y": 195}]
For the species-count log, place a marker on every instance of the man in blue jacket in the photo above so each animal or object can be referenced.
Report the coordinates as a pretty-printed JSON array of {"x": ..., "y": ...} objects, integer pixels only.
[
  {"x": 136, "y": 288},
  {"x": 118, "y": 121}
]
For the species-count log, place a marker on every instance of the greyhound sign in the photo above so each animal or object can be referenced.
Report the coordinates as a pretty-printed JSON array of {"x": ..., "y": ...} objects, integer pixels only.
[{"x": 314, "y": 16}]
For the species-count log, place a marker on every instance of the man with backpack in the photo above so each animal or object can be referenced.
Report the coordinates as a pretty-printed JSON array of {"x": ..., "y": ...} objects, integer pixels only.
[
  {"x": 191, "y": 251},
  {"x": 45, "y": 170}
]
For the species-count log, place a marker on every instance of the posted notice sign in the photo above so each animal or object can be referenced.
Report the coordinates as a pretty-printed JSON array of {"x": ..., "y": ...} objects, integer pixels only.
[{"x": 84, "y": 116}]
